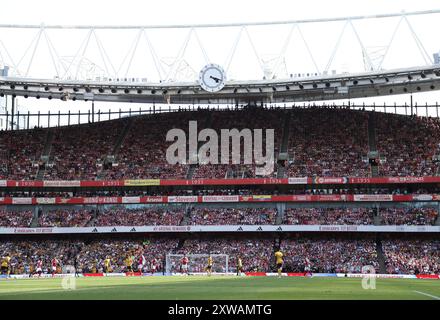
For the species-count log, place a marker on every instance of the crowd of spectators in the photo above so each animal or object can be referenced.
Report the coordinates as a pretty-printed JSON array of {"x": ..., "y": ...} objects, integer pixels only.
[
  {"x": 233, "y": 216},
  {"x": 143, "y": 151},
  {"x": 220, "y": 190},
  {"x": 15, "y": 219},
  {"x": 119, "y": 216},
  {"x": 407, "y": 144},
  {"x": 25, "y": 253},
  {"x": 256, "y": 255},
  {"x": 409, "y": 256},
  {"x": 65, "y": 218},
  {"x": 329, "y": 255},
  {"x": 78, "y": 152},
  {"x": 328, "y": 142},
  {"x": 20, "y": 152},
  {"x": 169, "y": 215},
  {"x": 328, "y": 216},
  {"x": 89, "y": 255},
  {"x": 321, "y": 142},
  {"x": 325, "y": 255},
  {"x": 408, "y": 216},
  {"x": 243, "y": 119}
]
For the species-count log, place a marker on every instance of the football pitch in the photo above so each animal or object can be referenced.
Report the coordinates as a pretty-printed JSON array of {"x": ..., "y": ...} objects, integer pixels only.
[{"x": 220, "y": 288}]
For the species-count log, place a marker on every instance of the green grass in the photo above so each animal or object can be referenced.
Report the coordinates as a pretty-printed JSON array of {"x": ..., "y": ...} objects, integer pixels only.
[{"x": 221, "y": 287}]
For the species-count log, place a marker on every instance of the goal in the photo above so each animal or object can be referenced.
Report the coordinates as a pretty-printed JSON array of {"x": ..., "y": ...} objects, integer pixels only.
[{"x": 197, "y": 263}]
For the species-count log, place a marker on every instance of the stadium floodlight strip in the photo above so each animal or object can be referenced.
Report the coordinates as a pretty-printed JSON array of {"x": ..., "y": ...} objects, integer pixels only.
[
  {"x": 219, "y": 25},
  {"x": 368, "y": 84}
]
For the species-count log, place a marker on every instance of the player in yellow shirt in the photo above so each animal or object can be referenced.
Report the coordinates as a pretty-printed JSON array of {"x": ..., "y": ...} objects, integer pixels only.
[
  {"x": 5, "y": 265},
  {"x": 279, "y": 261},
  {"x": 107, "y": 265},
  {"x": 239, "y": 266},
  {"x": 209, "y": 266},
  {"x": 129, "y": 263}
]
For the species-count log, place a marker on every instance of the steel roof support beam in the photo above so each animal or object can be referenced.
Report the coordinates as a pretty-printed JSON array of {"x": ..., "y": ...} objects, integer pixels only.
[
  {"x": 83, "y": 53},
  {"x": 132, "y": 50},
  {"x": 364, "y": 51},
  {"x": 34, "y": 51},
  {"x": 202, "y": 48},
  {"x": 156, "y": 60},
  {"x": 234, "y": 48},
  {"x": 419, "y": 43},
  {"x": 308, "y": 50},
  {"x": 224, "y": 25},
  {"x": 335, "y": 49},
  {"x": 104, "y": 55},
  {"x": 9, "y": 57},
  {"x": 178, "y": 61},
  {"x": 283, "y": 52},
  {"x": 390, "y": 42},
  {"x": 50, "y": 48},
  {"x": 255, "y": 50}
]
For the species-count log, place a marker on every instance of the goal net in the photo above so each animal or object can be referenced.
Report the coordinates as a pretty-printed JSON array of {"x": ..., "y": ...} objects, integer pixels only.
[{"x": 196, "y": 263}]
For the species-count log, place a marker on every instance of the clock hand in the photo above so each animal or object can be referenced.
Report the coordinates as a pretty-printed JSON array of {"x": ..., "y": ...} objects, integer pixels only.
[{"x": 215, "y": 79}]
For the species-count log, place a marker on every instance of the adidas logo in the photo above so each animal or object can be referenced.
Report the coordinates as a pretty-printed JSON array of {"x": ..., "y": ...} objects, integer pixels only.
[
  {"x": 133, "y": 230},
  {"x": 240, "y": 229},
  {"x": 95, "y": 230},
  {"x": 280, "y": 229},
  {"x": 260, "y": 229},
  {"x": 114, "y": 230}
]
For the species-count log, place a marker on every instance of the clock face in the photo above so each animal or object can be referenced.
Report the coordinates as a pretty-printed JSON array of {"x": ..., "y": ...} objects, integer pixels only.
[{"x": 212, "y": 78}]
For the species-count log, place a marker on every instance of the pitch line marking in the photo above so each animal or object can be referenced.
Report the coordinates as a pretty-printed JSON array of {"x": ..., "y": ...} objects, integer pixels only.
[{"x": 428, "y": 295}]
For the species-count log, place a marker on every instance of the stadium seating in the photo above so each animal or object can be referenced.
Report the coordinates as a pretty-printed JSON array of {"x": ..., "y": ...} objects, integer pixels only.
[
  {"x": 410, "y": 256},
  {"x": 256, "y": 254},
  {"x": 317, "y": 254},
  {"x": 407, "y": 144},
  {"x": 157, "y": 216},
  {"x": 408, "y": 216},
  {"x": 90, "y": 255},
  {"x": 329, "y": 255},
  {"x": 20, "y": 151},
  {"x": 328, "y": 142},
  {"x": 13, "y": 219},
  {"x": 326, "y": 216},
  {"x": 139, "y": 217},
  {"x": 321, "y": 142},
  {"x": 65, "y": 218},
  {"x": 232, "y": 216},
  {"x": 77, "y": 150}
]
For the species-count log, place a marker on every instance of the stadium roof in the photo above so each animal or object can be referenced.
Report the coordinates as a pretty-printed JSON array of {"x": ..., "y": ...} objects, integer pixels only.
[{"x": 367, "y": 84}]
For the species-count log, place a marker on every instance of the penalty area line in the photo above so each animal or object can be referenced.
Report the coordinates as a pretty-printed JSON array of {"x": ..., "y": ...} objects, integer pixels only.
[{"x": 427, "y": 294}]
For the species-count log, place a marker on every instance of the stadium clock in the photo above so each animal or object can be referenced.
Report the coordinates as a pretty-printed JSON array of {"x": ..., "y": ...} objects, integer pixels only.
[{"x": 212, "y": 78}]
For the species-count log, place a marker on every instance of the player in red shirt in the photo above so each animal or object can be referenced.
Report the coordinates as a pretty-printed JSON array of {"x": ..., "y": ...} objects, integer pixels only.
[
  {"x": 184, "y": 265},
  {"x": 39, "y": 267},
  {"x": 141, "y": 263},
  {"x": 307, "y": 267},
  {"x": 154, "y": 265},
  {"x": 54, "y": 266}
]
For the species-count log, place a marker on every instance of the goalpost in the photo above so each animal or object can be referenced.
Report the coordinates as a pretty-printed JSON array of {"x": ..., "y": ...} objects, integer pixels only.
[{"x": 197, "y": 263}]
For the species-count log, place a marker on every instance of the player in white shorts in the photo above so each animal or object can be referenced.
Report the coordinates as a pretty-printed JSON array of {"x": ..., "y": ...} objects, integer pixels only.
[
  {"x": 153, "y": 266},
  {"x": 184, "y": 265},
  {"x": 39, "y": 268},
  {"x": 54, "y": 266},
  {"x": 141, "y": 263}
]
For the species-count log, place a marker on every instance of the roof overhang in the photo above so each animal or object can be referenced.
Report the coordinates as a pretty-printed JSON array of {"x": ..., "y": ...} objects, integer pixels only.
[{"x": 346, "y": 86}]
